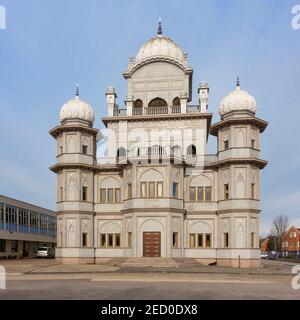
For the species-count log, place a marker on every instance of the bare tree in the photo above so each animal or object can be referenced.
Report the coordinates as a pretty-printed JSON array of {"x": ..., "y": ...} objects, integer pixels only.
[{"x": 279, "y": 227}]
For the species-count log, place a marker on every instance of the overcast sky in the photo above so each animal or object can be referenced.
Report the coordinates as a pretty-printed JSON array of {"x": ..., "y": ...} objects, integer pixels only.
[{"x": 49, "y": 46}]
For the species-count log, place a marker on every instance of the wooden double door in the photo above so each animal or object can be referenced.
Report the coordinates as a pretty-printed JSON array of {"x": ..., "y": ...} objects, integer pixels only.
[{"x": 151, "y": 244}]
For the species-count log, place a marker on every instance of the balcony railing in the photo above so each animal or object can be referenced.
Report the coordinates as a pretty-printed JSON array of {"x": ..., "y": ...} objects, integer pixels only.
[
  {"x": 206, "y": 159},
  {"x": 138, "y": 111},
  {"x": 120, "y": 112},
  {"x": 192, "y": 108},
  {"x": 157, "y": 110},
  {"x": 176, "y": 109},
  {"x": 158, "y": 152}
]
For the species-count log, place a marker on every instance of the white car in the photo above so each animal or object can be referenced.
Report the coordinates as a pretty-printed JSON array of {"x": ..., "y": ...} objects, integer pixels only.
[
  {"x": 45, "y": 252},
  {"x": 264, "y": 256}
]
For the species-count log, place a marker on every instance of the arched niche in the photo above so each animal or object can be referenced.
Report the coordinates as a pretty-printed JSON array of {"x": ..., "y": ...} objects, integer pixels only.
[
  {"x": 110, "y": 227},
  {"x": 138, "y": 103},
  {"x": 157, "y": 102},
  {"x": 121, "y": 152},
  {"x": 176, "y": 102},
  {"x": 200, "y": 227},
  {"x": 200, "y": 181},
  {"x": 110, "y": 182},
  {"x": 71, "y": 236},
  {"x": 71, "y": 189},
  {"x": 151, "y": 224},
  {"x": 151, "y": 175},
  {"x": 191, "y": 150}
]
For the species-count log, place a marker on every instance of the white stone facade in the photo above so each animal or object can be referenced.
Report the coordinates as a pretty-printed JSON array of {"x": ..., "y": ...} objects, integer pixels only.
[{"x": 157, "y": 192}]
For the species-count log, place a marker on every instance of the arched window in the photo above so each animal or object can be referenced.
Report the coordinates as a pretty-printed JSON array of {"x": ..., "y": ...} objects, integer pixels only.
[
  {"x": 155, "y": 150},
  {"x": 151, "y": 184},
  {"x": 176, "y": 102},
  {"x": 157, "y": 102},
  {"x": 121, "y": 152},
  {"x": 137, "y": 107},
  {"x": 138, "y": 103},
  {"x": 110, "y": 190},
  {"x": 200, "y": 189},
  {"x": 176, "y": 150},
  {"x": 191, "y": 150},
  {"x": 84, "y": 191}
]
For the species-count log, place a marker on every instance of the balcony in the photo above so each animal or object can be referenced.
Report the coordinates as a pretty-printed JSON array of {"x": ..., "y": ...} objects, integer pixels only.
[
  {"x": 192, "y": 109},
  {"x": 207, "y": 158},
  {"x": 137, "y": 111},
  {"x": 120, "y": 112},
  {"x": 158, "y": 154},
  {"x": 157, "y": 110}
]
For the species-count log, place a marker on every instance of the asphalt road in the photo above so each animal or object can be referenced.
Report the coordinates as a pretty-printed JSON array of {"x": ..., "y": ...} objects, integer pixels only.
[
  {"x": 98, "y": 288},
  {"x": 37, "y": 279}
]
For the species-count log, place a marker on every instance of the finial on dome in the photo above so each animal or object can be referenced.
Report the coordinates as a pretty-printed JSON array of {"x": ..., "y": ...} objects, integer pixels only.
[
  {"x": 159, "y": 30},
  {"x": 77, "y": 91},
  {"x": 238, "y": 81}
]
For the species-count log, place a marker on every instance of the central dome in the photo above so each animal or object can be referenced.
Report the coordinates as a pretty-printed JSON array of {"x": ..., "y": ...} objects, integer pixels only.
[{"x": 160, "y": 46}]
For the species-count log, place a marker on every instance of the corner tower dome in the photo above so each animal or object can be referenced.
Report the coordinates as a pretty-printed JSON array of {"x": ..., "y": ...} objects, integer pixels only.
[
  {"x": 237, "y": 100},
  {"x": 160, "y": 46},
  {"x": 76, "y": 109}
]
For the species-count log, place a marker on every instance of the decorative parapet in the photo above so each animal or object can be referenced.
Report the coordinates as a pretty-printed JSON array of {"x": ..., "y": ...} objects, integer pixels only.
[{"x": 117, "y": 111}]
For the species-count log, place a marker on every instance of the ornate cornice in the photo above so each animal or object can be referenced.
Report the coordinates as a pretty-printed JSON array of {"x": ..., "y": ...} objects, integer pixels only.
[
  {"x": 60, "y": 128},
  {"x": 242, "y": 120}
]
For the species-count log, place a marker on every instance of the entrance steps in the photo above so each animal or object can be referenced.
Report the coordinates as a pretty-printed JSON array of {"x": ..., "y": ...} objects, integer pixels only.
[
  {"x": 136, "y": 262},
  {"x": 150, "y": 262}
]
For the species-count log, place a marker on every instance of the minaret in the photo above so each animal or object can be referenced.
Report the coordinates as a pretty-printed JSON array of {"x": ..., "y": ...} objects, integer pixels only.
[
  {"x": 203, "y": 91},
  {"x": 76, "y": 156},
  {"x": 239, "y": 166}
]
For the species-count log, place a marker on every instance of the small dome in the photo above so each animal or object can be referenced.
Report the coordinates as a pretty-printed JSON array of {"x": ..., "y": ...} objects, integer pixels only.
[
  {"x": 160, "y": 46},
  {"x": 76, "y": 109},
  {"x": 237, "y": 100}
]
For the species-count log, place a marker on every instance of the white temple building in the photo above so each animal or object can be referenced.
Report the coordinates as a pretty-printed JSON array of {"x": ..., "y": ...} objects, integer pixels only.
[{"x": 157, "y": 193}]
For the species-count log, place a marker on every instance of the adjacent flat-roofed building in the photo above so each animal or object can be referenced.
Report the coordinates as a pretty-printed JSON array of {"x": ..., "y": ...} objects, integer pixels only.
[
  {"x": 24, "y": 227},
  {"x": 157, "y": 192}
]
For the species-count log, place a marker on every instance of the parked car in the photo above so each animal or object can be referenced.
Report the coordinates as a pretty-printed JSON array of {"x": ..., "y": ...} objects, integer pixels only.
[
  {"x": 264, "y": 256},
  {"x": 45, "y": 252}
]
